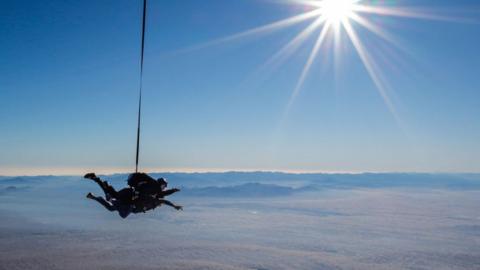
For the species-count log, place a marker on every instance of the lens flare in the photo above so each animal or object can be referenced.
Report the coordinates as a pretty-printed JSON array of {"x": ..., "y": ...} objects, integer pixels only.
[{"x": 332, "y": 19}]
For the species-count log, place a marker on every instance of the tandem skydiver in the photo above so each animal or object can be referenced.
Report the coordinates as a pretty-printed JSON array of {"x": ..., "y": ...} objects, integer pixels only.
[
  {"x": 145, "y": 185},
  {"x": 144, "y": 193}
]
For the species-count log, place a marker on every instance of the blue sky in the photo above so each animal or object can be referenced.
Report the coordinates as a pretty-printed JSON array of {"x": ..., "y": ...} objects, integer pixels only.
[{"x": 69, "y": 81}]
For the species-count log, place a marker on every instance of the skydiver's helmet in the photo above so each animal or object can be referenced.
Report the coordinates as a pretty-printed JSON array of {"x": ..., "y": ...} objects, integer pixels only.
[{"x": 163, "y": 183}]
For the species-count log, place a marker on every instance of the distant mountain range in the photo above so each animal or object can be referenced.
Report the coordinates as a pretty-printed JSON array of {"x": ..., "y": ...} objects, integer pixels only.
[
  {"x": 256, "y": 184},
  {"x": 244, "y": 190},
  {"x": 365, "y": 180}
]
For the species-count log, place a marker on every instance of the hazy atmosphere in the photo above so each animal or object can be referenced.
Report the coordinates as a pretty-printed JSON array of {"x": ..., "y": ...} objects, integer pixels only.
[
  {"x": 248, "y": 221},
  {"x": 241, "y": 134}
]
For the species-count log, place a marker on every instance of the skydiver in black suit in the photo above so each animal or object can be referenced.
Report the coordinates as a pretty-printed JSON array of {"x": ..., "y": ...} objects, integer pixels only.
[{"x": 144, "y": 193}]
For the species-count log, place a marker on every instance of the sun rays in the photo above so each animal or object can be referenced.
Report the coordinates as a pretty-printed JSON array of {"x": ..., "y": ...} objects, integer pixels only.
[
  {"x": 330, "y": 20},
  {"x": 339, "y": 16}
]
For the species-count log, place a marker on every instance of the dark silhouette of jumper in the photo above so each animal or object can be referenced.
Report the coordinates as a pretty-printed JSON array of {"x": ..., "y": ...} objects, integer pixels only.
[{"x": 144, "y": 193}]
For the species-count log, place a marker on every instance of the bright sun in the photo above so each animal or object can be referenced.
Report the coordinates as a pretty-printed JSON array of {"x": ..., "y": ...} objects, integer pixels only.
[
  {"x": 336, "y": 11},
  {"x": 331, "y": 18}
]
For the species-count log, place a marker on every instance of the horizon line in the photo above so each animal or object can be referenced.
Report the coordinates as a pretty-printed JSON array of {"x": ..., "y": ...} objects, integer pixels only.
[{"x": 17, "y": 172}]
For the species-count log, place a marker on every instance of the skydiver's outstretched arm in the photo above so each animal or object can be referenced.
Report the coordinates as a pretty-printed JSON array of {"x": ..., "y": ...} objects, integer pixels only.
[
  {"x": 167, "y": 202},
  {"x": 168, "y": 192}
]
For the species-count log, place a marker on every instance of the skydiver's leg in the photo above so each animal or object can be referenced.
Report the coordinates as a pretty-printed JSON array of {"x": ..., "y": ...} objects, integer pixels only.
[
  {"x": 169, "y": 203},
  {"x": 102, "y": 201},
  {"x": 109, "y": 191},
  {"x": 124, "y": 202},
  {"x": 124, "y": 210}
]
